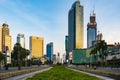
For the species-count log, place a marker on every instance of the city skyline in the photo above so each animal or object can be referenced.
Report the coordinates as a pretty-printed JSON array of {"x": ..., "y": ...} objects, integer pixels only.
[{"x": 49, "y": 19}]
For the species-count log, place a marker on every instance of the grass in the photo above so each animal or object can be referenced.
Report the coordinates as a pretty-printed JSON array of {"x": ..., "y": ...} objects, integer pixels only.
[{"x": 62, "y": 73}]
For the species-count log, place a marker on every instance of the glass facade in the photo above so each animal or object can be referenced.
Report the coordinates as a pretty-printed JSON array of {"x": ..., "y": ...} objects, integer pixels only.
[
  {"x": 79, "y": 56},
  {"x": 50, "y": 51},
  {"x": 36, "y": 47},
  {"x": 75, "y": 27},
  {"x": 66, "y": 47},
  {"x": 21, "y": 40},
  {"x": 91, "y": 36},
  {"x": 91, "y": 31}
]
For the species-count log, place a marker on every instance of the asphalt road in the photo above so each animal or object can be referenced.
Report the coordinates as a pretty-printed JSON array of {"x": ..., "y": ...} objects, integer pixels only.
[
  {"x": 99, "y": 76},
  {"x": 25, "y": 76},
  {"x": 12, "y": 69}
]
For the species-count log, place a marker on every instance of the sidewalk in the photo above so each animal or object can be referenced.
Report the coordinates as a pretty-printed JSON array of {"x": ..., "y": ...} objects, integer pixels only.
[
  {"x": 25, "y": 76},
  {"x": 101, "y": 77}
]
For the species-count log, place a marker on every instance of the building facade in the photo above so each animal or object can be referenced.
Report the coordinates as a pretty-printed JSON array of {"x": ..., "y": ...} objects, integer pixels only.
[
  {"x": 66, "y": 47},
  {"x": 54, "y": 59},
  {"x": 79, "y": 56},
  {"x": 21, "y": 40},
  {"x": 6, "y": 42},
  {"x": 75, "y": 27},
  {"x": 99, "y": 36},
  {"x": 49, "y": 51},
  {"x": 36, "y": 47},
  {"x": 0, "y": 38},
  {"x": 6, "y": 38},
  {"x": 91, "y": 31}
]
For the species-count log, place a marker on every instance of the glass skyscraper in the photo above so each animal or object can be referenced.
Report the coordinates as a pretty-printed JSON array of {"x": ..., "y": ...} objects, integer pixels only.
[
  {"x": 50, "y": 51},
  {"x": 75, "y": 27},
  {"x": 21, "y": 40},
  {"x": 91, "y": 31},
  {"x": 66, "y": 47}
]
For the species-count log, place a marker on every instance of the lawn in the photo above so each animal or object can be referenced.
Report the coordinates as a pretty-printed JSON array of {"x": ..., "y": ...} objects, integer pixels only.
[{"x": 62, "y": 73}]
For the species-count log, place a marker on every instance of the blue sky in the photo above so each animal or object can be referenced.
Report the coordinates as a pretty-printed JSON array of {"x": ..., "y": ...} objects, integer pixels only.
[{"x": 49, "y": 19}]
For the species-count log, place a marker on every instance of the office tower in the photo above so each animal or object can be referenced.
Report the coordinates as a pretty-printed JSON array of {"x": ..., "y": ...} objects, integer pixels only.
[
  {"x": 36, "y": 46},
  {"x": 58, "y": 58},
  {"x": 21, "y": 40},
  {"x": 6, "y": 38},
  {"x": 66, "y": 47},
  {"x": 0, "y": 38},
  {"x": 63, "y": 58},
  {"x": 91, "y": 30},
  {"x": 50, "y": 51},
  {"x": 99, "y": 36},
  {"x": 6, "y": 42},
  {"x": 54, "y": 59},
  {"x": 75, "y": 27}
]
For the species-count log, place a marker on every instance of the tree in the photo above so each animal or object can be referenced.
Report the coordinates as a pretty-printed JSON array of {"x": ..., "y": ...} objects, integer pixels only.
[
  {"x": 94, "y": 53},
  {"x": 19, "y": 54},
  {"x": 101, "y": 47},
  {"x": 16, "y": 54}
]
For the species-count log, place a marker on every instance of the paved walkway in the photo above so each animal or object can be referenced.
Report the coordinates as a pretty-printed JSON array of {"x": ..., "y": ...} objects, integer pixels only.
[
  {"x": 101, "y": 77},
  {"x": 25, "y": 76}
]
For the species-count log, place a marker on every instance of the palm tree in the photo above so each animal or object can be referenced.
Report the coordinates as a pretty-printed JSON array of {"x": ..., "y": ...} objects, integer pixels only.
[
  {"x": 101, "y": 47},
  {"x": 94, "y": 54}
]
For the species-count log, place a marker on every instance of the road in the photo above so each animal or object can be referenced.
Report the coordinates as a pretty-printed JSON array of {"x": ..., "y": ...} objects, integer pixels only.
[
  {"x": 99, "y": 76},
  {"x": 11, "y": 69},
  {"x": 108, "y": 69},
  {"x": 25, "y": 76}
]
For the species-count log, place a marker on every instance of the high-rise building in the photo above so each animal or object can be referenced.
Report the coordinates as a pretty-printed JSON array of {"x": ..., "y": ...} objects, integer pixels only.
[
  {"x": 66, "y": 47},
  {"x": 36, "y": 46},
  {"x": 54, "y": 59},
  {"x": 6, "y": 38},
  {"x": 75, "y": 27},
  {"x": 99, "y": 36},
  {"x": 50, "y": 51},
  {"x": 0, "y": 38},
  {"x": 6, "y": 42},
  {"x": 21, "y": 40},
  {"x": 58, "y": 58},
  {"x": 91, "y": 30}
]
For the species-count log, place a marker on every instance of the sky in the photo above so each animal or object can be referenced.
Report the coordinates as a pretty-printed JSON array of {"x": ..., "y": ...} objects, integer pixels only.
[{"x": 49, "y": 19}]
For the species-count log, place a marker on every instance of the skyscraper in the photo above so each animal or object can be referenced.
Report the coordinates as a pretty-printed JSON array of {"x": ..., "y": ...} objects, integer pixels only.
[
  {"x": 50, "y": 51},
  {"x": 36, "y": 46},
  {"x": 6, "y": 38},
  {"x": 0, "y": 38},
  {"x": 91, "y": 30},
  {"x": 75, "y": 27},
  {"x": 6, "y": 42},
  {"x": 21, "y": 40},
  {"x": 99, "y": 36},
  {"x": 66, "y": 47}
]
